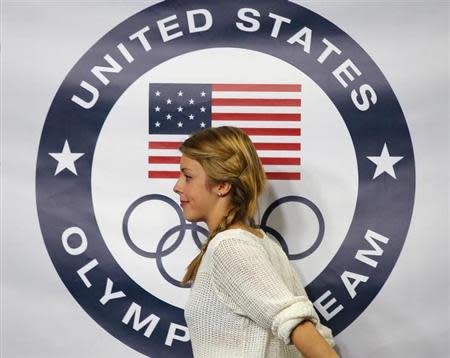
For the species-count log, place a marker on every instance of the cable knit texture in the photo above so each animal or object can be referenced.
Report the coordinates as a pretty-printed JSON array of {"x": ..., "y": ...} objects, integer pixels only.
[{"x": 246, "y": 300}]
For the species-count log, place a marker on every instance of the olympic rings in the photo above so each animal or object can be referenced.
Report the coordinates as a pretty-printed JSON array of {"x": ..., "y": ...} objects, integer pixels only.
[
  {"x": 195, "y": 229},
  {"x": 160, "y": 252},
  {"x": 279, "y": 237}
]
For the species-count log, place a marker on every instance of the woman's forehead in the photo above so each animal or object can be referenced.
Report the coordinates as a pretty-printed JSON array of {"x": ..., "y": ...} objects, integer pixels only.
[{"x": 187, "y": 163}]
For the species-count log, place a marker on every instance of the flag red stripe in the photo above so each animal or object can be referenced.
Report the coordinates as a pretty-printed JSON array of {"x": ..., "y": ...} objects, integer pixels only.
[
  {"x": 163, "y": 160},
  {"x": 258, "y": 146},
  {"x": 277, "y": 146},
  {"x": 283, "y": 176},
  {"x": 264, "y": 160},
  {"x": 164, "y": 145},
  {"x": 272, "y": 131},
  {"x": 257, "y": 87},
  {"x": 161, "y": 174},
  {"x": 256, "y": 116},
  {"x": 154, "y": 174},
  {"x": 256, "y": 102},
  {"x": 281, "y": 161}
]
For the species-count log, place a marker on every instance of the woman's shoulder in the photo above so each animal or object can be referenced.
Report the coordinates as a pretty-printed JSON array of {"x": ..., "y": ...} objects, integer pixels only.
[
  {"x": 249, "y": 234},
  {"x": 237, "y": 236}
]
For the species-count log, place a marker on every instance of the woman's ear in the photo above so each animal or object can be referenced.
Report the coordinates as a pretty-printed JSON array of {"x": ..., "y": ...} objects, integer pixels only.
[{"x": 223, "y": 188}]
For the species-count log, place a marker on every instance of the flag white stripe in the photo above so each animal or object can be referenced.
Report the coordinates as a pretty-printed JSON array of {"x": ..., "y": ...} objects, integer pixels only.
[
  {"x": 282, "y": 168},
  {"x": 254, "y": 138},
  {"x": 164, "y": 153},
  {"x": 274, "y": 139},
  {"x": 167, "y": 137},
  {"x": 165, "y": 167},
  {"x": 255, "y": 109},
  {"x": 261, "y": 95},
  {"x": 258, "y": 124}
]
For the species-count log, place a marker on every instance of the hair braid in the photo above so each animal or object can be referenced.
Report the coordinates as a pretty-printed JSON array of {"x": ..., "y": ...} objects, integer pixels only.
[
  {"x": 227, "y": 221},
  {"x": 227, "y": 155}
]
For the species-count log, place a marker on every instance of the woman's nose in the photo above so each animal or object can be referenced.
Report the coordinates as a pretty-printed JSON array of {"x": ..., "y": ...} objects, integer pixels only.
[{"x": 177, "y": 187}]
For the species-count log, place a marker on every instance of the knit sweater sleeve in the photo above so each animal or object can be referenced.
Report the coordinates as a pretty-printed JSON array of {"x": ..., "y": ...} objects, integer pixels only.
[{"x": 244, "y": 277}]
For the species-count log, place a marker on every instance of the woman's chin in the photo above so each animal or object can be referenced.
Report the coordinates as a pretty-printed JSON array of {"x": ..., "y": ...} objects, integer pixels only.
[
  {"x": 191, "y": 218},
  {"x": 188, "y": 217}
]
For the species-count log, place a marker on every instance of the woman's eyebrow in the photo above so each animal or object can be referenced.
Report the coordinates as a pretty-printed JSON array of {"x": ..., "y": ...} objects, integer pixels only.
[{"x": 184, "y": 169}]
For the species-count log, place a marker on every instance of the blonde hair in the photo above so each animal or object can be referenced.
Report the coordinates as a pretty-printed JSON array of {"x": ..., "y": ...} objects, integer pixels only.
[{"x": 227, "y": 155}]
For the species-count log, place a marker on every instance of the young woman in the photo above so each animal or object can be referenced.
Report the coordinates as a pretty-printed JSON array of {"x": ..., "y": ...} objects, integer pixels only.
[{"x": 246, "y": 300}]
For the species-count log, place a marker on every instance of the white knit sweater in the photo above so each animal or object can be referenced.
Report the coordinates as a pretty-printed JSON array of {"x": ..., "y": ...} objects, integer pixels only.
[{"x": 246, "y": 300}]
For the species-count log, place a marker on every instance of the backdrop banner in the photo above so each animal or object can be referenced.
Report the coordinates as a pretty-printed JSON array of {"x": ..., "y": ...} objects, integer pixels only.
[{"x": 346, "y": 103}]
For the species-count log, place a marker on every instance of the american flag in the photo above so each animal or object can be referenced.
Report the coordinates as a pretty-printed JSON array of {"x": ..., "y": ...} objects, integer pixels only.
[{"x": 268, "y": 113}]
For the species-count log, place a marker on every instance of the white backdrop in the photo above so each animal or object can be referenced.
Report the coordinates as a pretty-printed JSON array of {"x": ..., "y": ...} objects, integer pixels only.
[{"x": 42, "y": 40}]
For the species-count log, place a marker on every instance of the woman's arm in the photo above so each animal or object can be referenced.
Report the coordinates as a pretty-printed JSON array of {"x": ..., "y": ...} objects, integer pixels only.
[{"x": 310, "y": 343}]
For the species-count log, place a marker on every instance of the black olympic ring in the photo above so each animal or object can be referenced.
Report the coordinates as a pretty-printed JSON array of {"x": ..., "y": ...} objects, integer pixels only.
[{"x": 195, "y": 229}]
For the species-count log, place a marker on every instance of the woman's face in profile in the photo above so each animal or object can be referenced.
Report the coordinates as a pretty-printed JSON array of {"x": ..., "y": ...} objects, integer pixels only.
[{"x": 197, "y": 196}]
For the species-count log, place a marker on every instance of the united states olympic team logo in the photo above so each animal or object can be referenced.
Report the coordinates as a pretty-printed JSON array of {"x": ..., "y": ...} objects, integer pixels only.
[{"x": 328, "y": 127}]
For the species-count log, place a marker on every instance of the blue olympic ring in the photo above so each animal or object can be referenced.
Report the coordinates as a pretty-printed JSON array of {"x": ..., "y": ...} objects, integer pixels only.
[
  {"x": 279, "y": 237},
  {"x": 195, "y": 229},
  {"x": 160, "y": 253}
]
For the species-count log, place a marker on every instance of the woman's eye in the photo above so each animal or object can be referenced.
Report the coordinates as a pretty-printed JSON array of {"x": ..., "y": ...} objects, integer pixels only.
[{"x": 188, "y": 177}]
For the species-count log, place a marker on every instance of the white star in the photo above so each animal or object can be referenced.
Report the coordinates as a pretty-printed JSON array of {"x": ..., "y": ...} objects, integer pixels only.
[
  {"x": 180, "y": 94},
  {"x": 202, "y": 109},
  {"x": 157, "y": 93},
  {"x": 66, "y": 159},
  {"x": 157, "y": 109},
  {"x": 180, "y": 109},
  {"x": 191, "y": 101},
  {"x": 202, "y": 124},
  {"x": 385, "y": 163},
  {"x": 180, "y": 124},
  {"x": 203, "y": 94},
  {"x": 169, "y": 101},
  {"x": 157, "y": 124},
  {"x": 169, "y": 116},
  {"x": 191, "y": 116}
]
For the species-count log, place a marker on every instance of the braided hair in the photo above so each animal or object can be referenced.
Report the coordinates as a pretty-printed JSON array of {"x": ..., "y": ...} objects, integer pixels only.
[{"x": 227, "y": 155}]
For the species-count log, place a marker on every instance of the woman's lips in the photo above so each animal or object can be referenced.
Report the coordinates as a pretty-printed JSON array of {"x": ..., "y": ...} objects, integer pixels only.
[{"x": 182, "y": 203}]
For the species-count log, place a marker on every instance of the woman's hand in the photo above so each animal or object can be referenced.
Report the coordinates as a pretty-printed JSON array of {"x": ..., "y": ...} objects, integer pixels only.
[{"x": 310, "y": 343}]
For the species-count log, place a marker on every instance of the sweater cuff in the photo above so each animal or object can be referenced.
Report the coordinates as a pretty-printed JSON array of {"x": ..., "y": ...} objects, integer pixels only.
[{"x": 291, "y": 317}]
